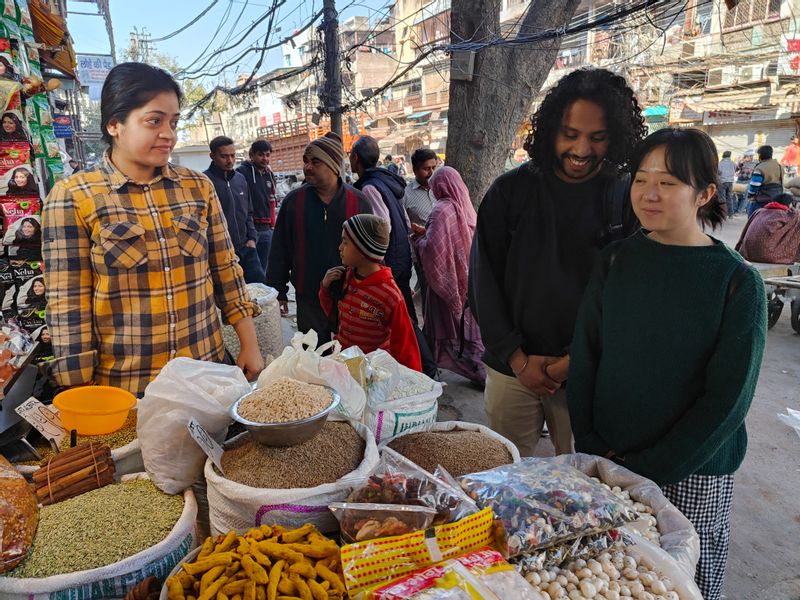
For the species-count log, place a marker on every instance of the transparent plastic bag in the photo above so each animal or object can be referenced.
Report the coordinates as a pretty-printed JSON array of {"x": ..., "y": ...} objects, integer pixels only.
[
  {"x": 360, "y": 522},
  {"x": 479, "y": 575},
  {"x": 585, "y": 548},
  {"x": 397, "y": 480},
  {"x": 542, "y": 502},
  {"x": 19, "y": 516}
]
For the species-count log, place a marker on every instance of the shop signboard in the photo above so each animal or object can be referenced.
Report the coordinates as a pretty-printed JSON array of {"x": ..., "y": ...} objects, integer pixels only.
[
  {"x": 62, "y": 126},
  {"x": 92, "y": 71}
]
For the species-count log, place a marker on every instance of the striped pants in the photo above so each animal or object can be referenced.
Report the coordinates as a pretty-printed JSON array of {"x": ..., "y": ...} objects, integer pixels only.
[{"x": 706, "y": 501}]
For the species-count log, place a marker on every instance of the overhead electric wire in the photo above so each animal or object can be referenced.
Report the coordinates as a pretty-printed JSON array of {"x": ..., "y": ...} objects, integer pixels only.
[{"x": 189, "y": 24}]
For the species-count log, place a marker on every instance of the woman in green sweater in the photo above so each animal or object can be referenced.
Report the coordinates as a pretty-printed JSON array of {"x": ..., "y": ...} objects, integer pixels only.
[{"x": 668, "y": 344}]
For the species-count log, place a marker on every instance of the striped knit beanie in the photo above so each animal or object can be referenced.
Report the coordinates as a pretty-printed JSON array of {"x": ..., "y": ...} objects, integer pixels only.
[
  {"x": 370, "y": 234},
  {"x": 329, "y": 150}
]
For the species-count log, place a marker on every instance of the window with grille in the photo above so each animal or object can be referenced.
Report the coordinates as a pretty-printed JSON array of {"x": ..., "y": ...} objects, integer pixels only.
[{"x": 749, "y": 12}]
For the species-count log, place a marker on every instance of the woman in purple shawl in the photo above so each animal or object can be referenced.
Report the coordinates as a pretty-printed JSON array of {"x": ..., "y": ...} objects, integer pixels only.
[{"x": 443, "y": 249}]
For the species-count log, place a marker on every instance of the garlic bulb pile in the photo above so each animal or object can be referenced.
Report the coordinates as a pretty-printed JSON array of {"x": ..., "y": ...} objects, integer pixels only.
[
  {"x": 647, "y": 526},
  {"x": 612, "y": 576}
]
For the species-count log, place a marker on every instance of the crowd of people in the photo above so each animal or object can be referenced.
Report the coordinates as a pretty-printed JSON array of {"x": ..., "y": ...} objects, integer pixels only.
[{"x": 585, "y": 294}]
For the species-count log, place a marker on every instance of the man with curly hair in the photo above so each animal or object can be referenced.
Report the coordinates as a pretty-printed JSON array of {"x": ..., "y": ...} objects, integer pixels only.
[{"x": 540, "y": 228}]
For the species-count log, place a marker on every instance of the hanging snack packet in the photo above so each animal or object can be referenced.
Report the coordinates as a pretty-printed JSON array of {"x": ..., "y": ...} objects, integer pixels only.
[
  {"x": 49, "y": 141},
  {"x": 55, "y": 169},
  {"x": 24, "y": 21},
  {"x": 9, "y": 10},
  {"x": 36, "y": 139},
  {"x": 8, "y": 21},
  {"x": 41, "y": 107},
  {"x": 23, "y": 225},
  {"x": 542, "y": 503},
  {"x": 9, "y": 92},
  {"x": 34, "y": 60}
]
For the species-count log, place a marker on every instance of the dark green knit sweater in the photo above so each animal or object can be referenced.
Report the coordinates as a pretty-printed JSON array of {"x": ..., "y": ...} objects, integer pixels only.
[{"x": 664, "y": 364}]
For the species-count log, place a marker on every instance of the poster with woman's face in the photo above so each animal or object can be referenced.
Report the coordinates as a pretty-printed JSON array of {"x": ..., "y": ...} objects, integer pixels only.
[
  {"x": 19, "y": 181},
  {"x": 12, "y": 127},
  {"x": 7, "y": 70},
  {"x": 27, "y": 230},
  {"x": 31, "y": 294}
]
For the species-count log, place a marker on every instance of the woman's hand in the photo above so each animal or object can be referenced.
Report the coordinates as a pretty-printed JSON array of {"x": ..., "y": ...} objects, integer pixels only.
[
  {"x": 418, "y": 231},
  {"x": 249, "y": 360},
  {"x": 332, "y": 275}
]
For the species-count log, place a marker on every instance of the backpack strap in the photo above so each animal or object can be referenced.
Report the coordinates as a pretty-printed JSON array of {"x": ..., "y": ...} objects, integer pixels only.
[
  {"x": 300, "y": 231},
  {"x": 614, "y": 194}
]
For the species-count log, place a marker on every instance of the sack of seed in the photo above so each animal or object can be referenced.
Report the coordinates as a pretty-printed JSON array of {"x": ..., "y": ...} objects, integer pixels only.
[
  {"x": 288, "y": 486},
  {"x": 98, "y": 545},
  {"x": 269, "y": 331}
]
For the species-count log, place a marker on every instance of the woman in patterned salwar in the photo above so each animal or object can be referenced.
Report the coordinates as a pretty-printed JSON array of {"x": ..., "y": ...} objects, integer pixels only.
[{"x": 137, "y": 252}]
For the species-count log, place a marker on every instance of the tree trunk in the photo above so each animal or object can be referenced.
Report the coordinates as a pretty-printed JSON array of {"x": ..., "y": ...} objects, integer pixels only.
[{"x": 486, "y": 112}]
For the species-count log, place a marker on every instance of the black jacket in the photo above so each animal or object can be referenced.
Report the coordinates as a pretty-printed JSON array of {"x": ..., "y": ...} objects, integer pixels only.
[
  {"x": 234, "y": 196},
  {"x": 392, "y": 188},
  {"x": 306, "y": 240},
  {"x": 262, "y": 194},
  {"x": 535, "y": 245}
]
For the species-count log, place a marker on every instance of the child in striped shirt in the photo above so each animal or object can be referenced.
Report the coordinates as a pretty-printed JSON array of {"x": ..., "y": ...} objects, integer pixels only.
[{"x": 368, "y": 311}]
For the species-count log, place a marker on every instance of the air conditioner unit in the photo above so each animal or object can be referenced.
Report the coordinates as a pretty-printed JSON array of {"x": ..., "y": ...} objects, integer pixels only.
[
  {"x": 721, "y": 76},
  {"x": 751, "y": 73}
]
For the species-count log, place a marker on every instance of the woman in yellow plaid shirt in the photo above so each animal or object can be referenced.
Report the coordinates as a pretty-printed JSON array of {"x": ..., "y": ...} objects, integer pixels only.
[{"x": 137, "y": 252}]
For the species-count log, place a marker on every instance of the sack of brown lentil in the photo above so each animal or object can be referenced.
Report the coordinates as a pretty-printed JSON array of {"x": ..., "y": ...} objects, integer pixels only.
[
  {"x": 288, "y": 486},
  {"x": 102, "y": 543}
]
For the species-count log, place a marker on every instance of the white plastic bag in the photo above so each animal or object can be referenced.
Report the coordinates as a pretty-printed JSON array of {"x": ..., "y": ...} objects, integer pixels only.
[
  {"x": 792, "y": 419},
  {"x": 678, "y": 537},
  {"x": 232, "y": 505},
  {"x": 183, "y": 389},
  {"x": 303, "y": 361},
  {"x": 113, "y": 581},
  {"x": 400, "y": 400}
]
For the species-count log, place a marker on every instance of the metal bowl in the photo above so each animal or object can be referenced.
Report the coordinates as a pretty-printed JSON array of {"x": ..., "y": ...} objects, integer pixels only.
[{"x": 290, "y": 433}]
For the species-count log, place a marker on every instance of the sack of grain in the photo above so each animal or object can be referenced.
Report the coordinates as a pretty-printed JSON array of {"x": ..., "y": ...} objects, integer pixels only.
[
  {"x": 303, "y": 361},
  {"x": 677, "y": 535},
  {"x": 268, "y": 325},
  {"x": 400, "y": 400},
  {"x": 114, "y": 580},
  {"x": 237, "y": 506}
]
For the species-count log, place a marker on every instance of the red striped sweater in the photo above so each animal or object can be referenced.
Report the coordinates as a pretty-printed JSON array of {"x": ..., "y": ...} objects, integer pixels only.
[{"x": 373, "y": 315}]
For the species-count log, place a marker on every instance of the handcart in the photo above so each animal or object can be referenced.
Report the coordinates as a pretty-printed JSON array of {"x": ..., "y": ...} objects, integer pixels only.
[{"x": 779, "y": 291}]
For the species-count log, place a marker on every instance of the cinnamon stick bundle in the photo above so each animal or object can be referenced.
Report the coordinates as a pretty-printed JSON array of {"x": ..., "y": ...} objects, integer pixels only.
[{"x": 73, "y": 472}]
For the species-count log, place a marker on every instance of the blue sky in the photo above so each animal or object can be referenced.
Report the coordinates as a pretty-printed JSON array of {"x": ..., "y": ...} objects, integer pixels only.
[{"x": 161, "y": 17}]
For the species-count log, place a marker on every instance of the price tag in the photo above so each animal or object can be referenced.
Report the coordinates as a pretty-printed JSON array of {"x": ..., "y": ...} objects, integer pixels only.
[
  {"x": 207, "y": 443},
  {"x": 43, "y": 418}
]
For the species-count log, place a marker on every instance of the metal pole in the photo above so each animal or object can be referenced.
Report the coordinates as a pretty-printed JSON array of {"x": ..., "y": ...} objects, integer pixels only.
[{"x": 333, "y": 74}]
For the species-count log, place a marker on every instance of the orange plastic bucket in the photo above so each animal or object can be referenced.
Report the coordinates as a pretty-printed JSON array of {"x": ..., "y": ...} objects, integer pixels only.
[{"x": 94, "y": 409}]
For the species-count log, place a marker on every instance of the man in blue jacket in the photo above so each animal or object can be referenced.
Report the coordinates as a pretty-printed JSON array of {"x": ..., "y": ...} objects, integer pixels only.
[{"x": 234, "y": 197}]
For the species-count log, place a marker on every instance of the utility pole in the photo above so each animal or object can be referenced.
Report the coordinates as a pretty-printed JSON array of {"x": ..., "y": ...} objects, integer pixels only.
[{"x": 332, "y": 97}]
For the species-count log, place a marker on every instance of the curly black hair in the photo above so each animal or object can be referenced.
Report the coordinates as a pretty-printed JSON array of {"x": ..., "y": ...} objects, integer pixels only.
[{"x": 611, "y": 92}]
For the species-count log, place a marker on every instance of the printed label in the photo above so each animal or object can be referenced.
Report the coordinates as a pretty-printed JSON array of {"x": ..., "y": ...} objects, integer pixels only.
[
  {"x": 207, "y": 443},
  {"x": 44, "y": 419}
]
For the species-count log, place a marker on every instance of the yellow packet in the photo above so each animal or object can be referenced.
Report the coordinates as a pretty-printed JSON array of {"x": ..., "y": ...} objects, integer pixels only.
[{"x": 367, "y": 564}]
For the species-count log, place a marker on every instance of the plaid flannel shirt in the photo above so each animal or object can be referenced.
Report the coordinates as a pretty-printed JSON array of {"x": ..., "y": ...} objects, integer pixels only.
[{"x": 134, "y": 275}]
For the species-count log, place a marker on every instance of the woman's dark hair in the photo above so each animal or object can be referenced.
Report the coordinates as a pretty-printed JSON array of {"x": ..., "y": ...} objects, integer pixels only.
[
  {"x": 129, "y": 86},
  {"x": 420, "y": 156},
  {"x": 611, "y": 92},
  {"x": 33, "y": 297},
  {"x": 10, "y": 71},
  {"x": 20, "y": 237},
  {"x": 19, "y": 131},
  {"x": 30, "y": 186},
  {"x": 691, "y": 157}
]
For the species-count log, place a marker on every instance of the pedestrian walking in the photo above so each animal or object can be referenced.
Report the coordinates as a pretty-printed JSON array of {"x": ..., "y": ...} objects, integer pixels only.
[
  {"x": 744, "y": 172},
  {"x": 361, "y": 298},
  {"x": 727, "y": 175},
  {"x": 234, "y": 196},
  {"x": 443, "y": 248},
  {"x": 418, "y": 202},
  {"x": 263, "y": 188},
  {"x": 308, "y": 231},
  {"x": 540, "y": 228},
  {"x": 139, "y": 259},
  {"x": 674, "y": 413}
]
